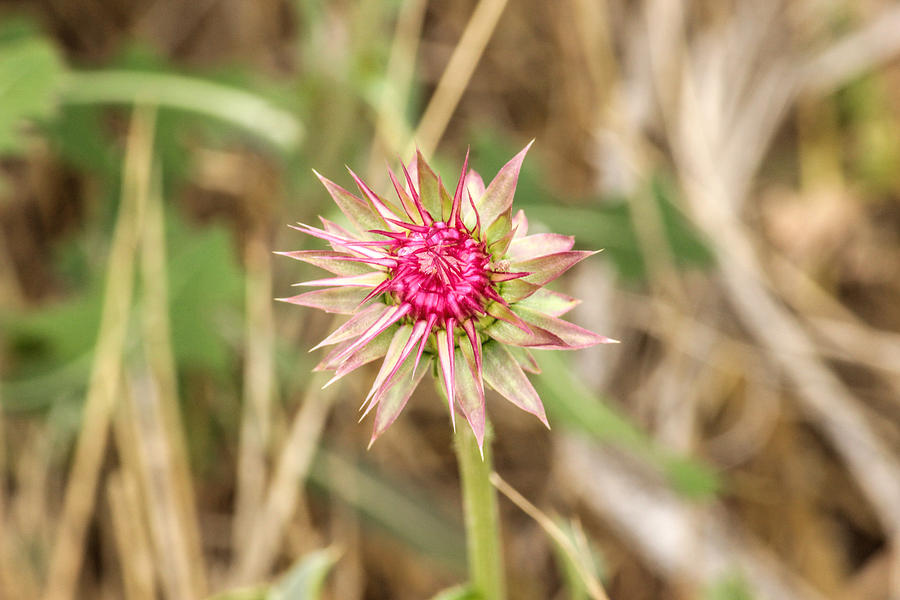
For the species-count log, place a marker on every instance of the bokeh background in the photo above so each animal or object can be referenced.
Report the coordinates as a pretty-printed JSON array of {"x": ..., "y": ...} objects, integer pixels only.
[{"x": 162, "y": 434}]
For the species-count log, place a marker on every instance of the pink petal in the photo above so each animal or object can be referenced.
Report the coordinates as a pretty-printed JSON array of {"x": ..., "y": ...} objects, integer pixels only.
[
  {"x": 391, "y": 359},
  {"x": 525, "y": 359},
  {"x": 470, "y": 392},
  {"x": 499, "y": 236},
  {"x": 357, "y": 324},
  {"x": 503, "y": 313},
  {"x": 392, "y": 363},
  {"x": 474, "y": 192},
  {"x": 445, "y": 346},
  {"x": 499, "y": 277},
  {"x": 343, "y": 365},
  {"x": 539, "y": 244},
  {"x": 520, "y": 224},
  {"x": 343, "y": 300},
  {"x": 475, "y": 185},
  {"x": 366, "y": 280},
  {"x": 409, "y": 206},
  {"x": 382, "y": 207},
  {"x": 549, "y": 302},
  {"x": 342, "y": 240},
  {"x": 427, "y": 218},
  {"x": 458, "y": 195},
  {"x": 362, "y": 215},
  {"x": 429, "y": 188},
  {"x": 517, "y": 290},
  {"x": 502, "y": 372},
  {"x": 573, "y": 337},
  {"x": 498, "y": 198},
  {"x": 338, "y": 263},
  {"x": 386, "y": 320},
  {"x": 392, "y": 403},
  {"x": 505, "y": 333},
  {"x": 547, "y": 268}
]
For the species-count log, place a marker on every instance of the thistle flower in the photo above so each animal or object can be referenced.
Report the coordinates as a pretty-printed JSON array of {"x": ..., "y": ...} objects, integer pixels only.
[{"x": 455, "y": 282}]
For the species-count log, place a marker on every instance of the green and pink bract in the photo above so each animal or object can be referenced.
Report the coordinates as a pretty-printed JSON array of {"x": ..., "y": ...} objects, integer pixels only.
[{"x": 455, "y": 281}]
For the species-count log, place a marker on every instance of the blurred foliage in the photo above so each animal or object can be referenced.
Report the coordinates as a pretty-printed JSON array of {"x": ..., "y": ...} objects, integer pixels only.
[
  {"x": 587, "y": 555},
  {"x": 405, "y": 512},
  {"x": 605, "y": 223},
  {"x": 866, "y": 111},
  {"x": 457, "y": 593},
  {"x": 30, "y": 70},
  {"x": 570, "y": 403},
  {"x": 303, "y": 581},
  {"x": 52, "y": 346},
  {"x": 729, "y": 587},
  {"x": 317, "y": 108}
]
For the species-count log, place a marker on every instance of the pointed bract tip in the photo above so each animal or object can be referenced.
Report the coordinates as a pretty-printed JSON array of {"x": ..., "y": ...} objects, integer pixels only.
[{"x": 387, "y": 221}]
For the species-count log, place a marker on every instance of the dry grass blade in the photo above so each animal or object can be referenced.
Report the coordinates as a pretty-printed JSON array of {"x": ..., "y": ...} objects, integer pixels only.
[
  {"x": 104, "y": 385},
  {"x": 593, "y": 585},
  {"x": 131, "y": 538},
  {"x": 456, "y": 75},
  {"x": 716, "y": 183},
  {"x": 158, "y": 345},
  {"x": 256, "y": 557},
  {"x": 153, "y": 459},
  {"x": 258, "y": 387},
  {"x": 391, "y": 128},
  {"x": 874, "y": 43},
  {"x": 677, "y": 540}
]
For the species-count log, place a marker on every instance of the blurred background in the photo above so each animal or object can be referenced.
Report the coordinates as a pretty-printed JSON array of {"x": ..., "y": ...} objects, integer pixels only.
[{"x": 163, "y": 437}]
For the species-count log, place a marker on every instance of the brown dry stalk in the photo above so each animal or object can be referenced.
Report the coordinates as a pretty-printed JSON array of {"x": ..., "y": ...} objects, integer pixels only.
[
  {"x": 593, "y": 585},
  {"x": 258, "y": 385},
  {"x": 718, "y": 148},
  {"x": 695, "y": 545},
  {"x": 391, "y": 129},
  {"x": 104, "y": 384},
  {"x": 161, "y": 362},
  {"x": 256, "y": 557},
  {"x": 456, "y": 75},
  {"x": 152, "y": 460},
  {"x": 132, "y": 541}
]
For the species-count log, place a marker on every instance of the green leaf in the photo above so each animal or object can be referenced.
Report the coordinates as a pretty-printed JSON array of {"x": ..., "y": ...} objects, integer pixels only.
[
  {"x": 457, "y": 592},
  {"x": 729, "y": 587},
  {"x": 393, "y": 506},
  {"x": 30, "y": 71},
  {"x": 205, "y": 293},
  {"x": 587, "y": 556},
  {"x": 51, "y": 348},
  {"x": 240, "y": 108},
  {"x": 250, "y": 593},
  {"x": 305, "y": 579},
  {"x": 570, "y": 403}
]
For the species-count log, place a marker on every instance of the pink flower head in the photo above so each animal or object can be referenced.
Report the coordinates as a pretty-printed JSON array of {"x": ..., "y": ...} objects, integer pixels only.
[{"x": 454, "y": 281}]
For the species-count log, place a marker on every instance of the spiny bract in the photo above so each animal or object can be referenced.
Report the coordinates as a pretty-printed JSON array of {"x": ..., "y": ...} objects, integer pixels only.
[{"x": 456, "y": 280}]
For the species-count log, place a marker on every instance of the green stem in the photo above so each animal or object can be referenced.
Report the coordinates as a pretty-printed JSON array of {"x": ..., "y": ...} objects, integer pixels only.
[{"x": 482, "y": 522}]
